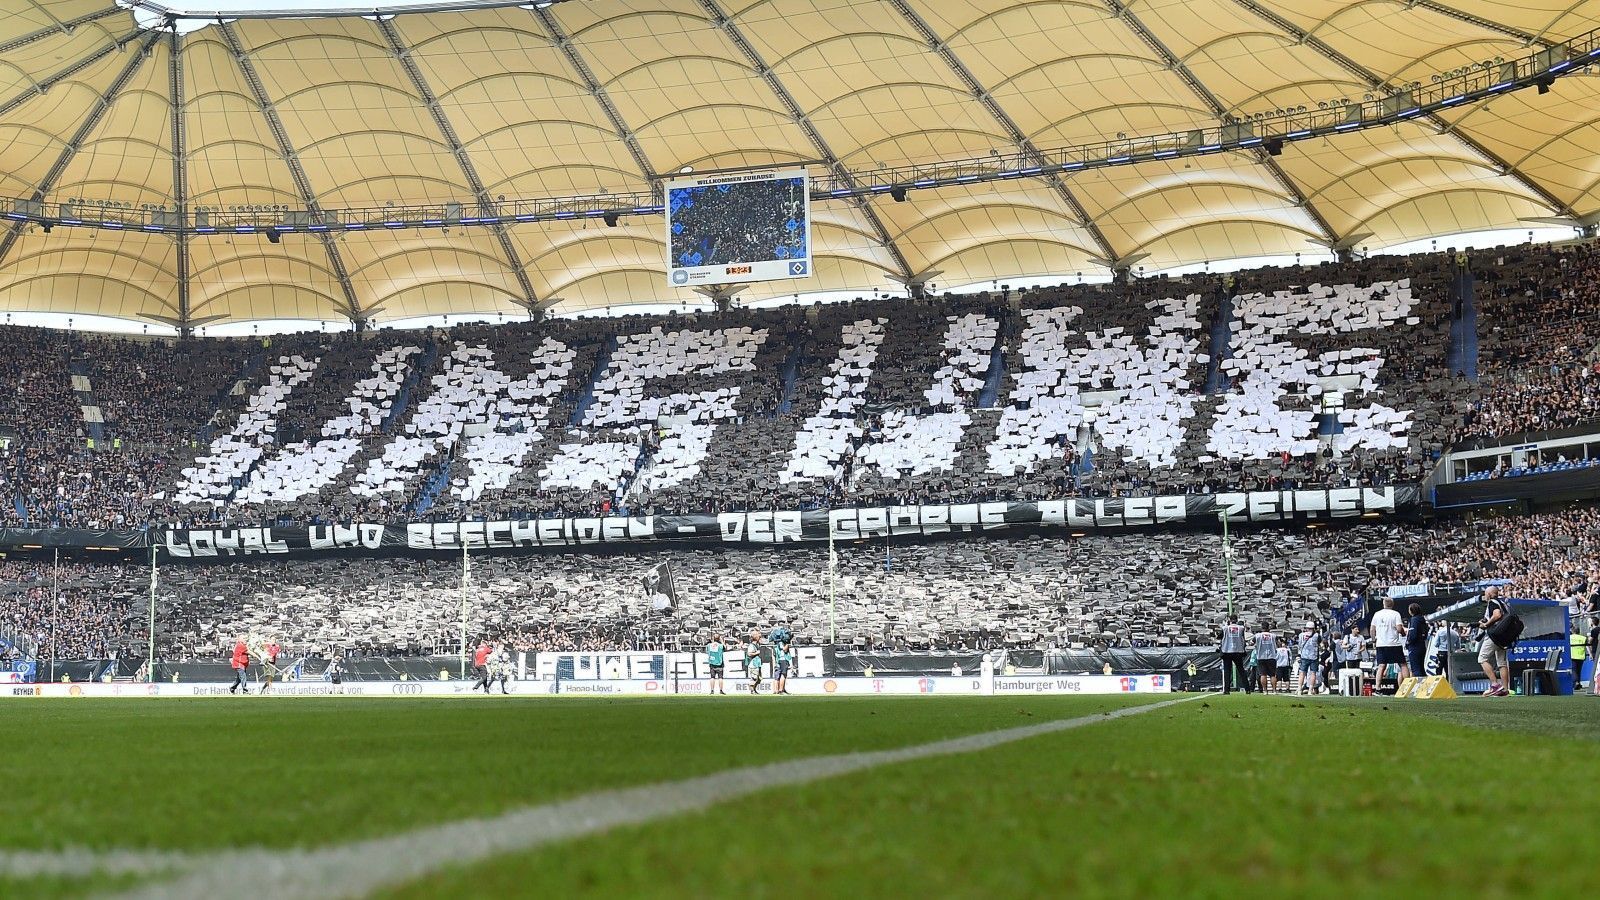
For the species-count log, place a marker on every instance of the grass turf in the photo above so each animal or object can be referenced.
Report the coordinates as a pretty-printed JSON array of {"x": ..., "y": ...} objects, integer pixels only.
[{"x": 1205, "y": 799}]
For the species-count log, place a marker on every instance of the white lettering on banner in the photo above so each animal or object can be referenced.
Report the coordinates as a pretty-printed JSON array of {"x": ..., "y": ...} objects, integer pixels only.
[
  {"x": 1310, "y": 502},
  {"x": 222, "y": 542},
  {"x": 599, "y": 666},
  {"x": 334, "y": 537},
  {"x": 790, "y": 526},
  {"x": 1377, "y": 499},
  {"x": 760, "y": 527},
  {"x": 1171, "y": 509},
  {"x": 1084, "y": 684},
  {"x": 1347, "y": 501},
  {"x": 527, "y": 533}
]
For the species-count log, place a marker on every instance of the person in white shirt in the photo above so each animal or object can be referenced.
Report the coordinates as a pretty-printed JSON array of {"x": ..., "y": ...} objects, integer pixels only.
[
  {"x": 1310, "y": 648},
  {"x": 1353, "y": 645},
  {"x": 1267, "y": 658},
  {"x": 1284, "y": 670},
  {"x": 1389, "y": 634}
]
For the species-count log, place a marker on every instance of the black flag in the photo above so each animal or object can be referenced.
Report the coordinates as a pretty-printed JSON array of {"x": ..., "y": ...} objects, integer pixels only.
[{"x": 659, "y": 589}]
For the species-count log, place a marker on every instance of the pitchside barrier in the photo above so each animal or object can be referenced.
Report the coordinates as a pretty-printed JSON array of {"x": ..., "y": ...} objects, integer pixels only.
[{"x": 945, "y": 685}]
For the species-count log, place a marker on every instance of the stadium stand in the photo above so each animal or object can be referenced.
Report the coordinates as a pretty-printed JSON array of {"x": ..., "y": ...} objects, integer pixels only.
[
  {"x": 1323, "y": 376},
  {"x": 1330, "y": 375},
  {"x": 1162, "y": 589},
  {"x": 1539, "y": 341}
]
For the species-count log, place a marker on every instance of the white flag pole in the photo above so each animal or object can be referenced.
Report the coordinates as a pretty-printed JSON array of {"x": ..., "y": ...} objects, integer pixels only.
[
  {"x": 466, "y": 580},
  {"x": 150, "y": 660},
  {"x": 833, "y": 572}
]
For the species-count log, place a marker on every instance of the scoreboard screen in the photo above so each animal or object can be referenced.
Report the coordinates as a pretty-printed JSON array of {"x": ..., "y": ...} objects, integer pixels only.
[{"x": 738, "y": 227}]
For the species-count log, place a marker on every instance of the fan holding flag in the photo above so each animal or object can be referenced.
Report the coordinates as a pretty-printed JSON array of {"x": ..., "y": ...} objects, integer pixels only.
[{"x": 659, "y": 588}]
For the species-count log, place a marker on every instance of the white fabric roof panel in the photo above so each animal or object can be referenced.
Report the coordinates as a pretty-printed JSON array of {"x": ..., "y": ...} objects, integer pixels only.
[{"x": 604, "y": 96}]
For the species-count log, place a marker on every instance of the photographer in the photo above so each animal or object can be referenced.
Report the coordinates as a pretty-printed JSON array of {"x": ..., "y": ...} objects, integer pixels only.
[{"x": 1500, "y": 632}]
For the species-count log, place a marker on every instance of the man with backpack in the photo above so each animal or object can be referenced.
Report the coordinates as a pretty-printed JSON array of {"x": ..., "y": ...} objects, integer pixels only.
[{"x": 1501, "y": 628}]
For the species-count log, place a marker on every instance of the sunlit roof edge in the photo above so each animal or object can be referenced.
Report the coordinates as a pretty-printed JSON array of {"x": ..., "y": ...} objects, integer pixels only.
[{"x": 173, "y": 14}]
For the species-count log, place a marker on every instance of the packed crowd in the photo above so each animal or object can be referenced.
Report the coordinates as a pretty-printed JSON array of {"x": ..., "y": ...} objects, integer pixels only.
[
  {"x": 70, "y": 610},
  {"x": 1548, "y": 555},
  {"x": 1540, "y": 331},
  {"x": 727, "y": 442},
  {"x": 1154, "y": 589}
]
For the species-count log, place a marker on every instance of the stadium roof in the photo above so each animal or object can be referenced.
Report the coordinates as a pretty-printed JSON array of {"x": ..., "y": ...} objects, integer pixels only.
[{"x": 588, "y": 97}]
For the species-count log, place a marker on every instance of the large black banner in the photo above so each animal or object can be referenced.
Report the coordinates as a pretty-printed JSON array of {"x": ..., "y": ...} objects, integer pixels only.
[
  {"x": 750, "y": 528},
  {"x": 72, "y": 538}
]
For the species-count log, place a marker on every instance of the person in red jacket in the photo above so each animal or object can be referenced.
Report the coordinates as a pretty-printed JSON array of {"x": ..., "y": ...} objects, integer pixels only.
[
  {"x": 241, "y": 661},
  {"x": 480, "y": 667}
]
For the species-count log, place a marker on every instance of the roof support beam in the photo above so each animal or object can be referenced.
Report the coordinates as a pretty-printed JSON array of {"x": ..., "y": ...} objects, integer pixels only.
[
  {"x": 402, "y": 53},
  {"x": 597, "y": 91},
  {"x": 85, "y": 129},
  {"x": 78, "y": 65},
  {"x": 759, "y": 65},
  {"x": 352, "y": 309},
  {"x": 180, "y": 177},
  {"x": 1376, "y": 83},
  {"x": 66, "y": 27},
  {"x": 1262, "y": 157},
  {"x": 1528, "y": 40},
  {"x": 1057, "y": 182}
]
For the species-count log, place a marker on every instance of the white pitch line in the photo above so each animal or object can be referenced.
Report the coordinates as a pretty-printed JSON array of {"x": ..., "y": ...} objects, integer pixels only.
[
  {"x": 358, "y": 869},
  {"x": 79, "y": 862}
]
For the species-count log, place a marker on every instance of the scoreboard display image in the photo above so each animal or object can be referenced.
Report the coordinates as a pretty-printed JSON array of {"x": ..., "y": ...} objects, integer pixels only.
[{"x": 738, "y": 227}]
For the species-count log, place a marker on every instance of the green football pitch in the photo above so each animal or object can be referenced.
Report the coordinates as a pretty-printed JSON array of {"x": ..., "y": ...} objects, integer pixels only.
[{"x": 785, "y": 797}]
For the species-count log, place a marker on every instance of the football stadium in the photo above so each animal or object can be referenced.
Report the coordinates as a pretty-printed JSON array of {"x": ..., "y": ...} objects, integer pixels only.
[{"x": 896, "y": 448}]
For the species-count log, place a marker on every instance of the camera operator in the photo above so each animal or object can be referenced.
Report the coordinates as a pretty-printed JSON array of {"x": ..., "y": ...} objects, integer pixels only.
[{"x": 1491, "y": 651}]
